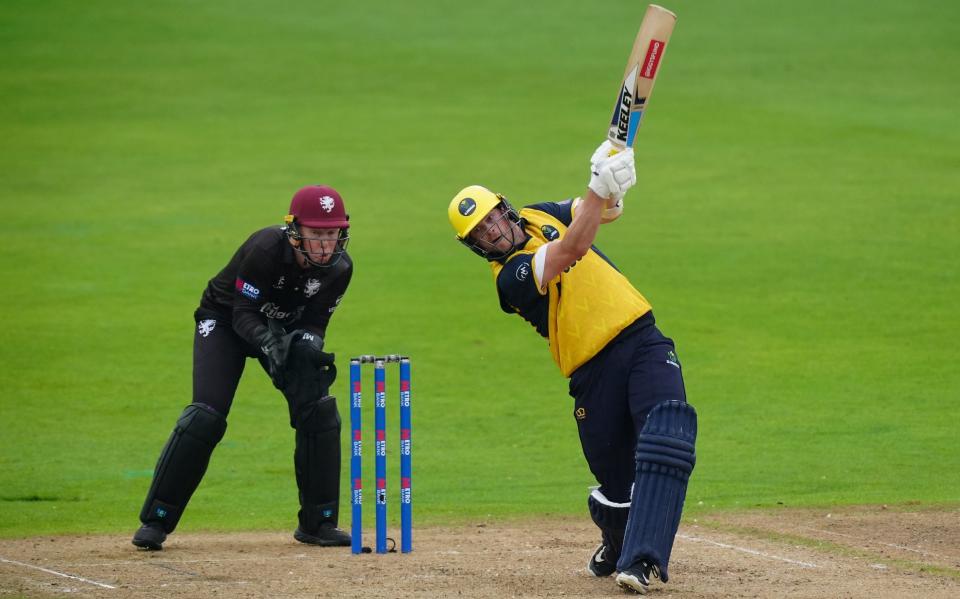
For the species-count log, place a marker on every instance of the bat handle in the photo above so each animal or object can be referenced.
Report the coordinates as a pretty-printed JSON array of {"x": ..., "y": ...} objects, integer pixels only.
[{"x": 616, "y": 148}]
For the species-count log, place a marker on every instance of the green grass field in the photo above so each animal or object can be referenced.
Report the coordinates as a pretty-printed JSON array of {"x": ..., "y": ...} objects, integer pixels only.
[{"x": 796, "y": 227}]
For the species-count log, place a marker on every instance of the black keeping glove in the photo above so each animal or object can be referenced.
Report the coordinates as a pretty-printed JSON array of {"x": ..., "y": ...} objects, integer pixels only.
[
  {"x": 276, "y": 351},
  {"x": 310, "y": 340},
  {"x": 327, "y": 373},
  {"x": 309, "y": 346}
]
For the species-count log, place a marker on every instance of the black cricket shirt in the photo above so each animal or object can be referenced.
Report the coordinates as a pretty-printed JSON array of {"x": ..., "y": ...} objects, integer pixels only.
[{"x": 263, "y": 281}]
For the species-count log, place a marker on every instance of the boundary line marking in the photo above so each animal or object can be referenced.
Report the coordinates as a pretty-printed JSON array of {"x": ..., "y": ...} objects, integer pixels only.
[{"x": 48, "y": 571}]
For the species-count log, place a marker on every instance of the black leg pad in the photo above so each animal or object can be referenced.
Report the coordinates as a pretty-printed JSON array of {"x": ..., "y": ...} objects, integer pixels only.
[
  {"x": 317, "y": 461},
  {"x": 182, "y": 464}
]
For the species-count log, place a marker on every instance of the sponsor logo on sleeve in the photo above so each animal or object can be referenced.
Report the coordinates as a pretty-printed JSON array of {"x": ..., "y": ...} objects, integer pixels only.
[
  {"x": 549, "y": 232},
  {"x": 247, "y": 290},
  {"x": 672, "y": 359},
  {"x": 335, "y": 304}
]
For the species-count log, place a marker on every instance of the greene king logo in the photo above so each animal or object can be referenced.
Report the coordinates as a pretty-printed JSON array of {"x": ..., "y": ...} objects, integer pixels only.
[{"x": 467, "y": 206}]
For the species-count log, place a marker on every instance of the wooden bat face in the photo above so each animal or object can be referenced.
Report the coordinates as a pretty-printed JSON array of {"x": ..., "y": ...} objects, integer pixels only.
[{"x": 640, "y": 74}]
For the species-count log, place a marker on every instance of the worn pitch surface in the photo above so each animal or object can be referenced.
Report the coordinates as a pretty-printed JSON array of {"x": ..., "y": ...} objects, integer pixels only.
[{"x": 848, "y": 552}]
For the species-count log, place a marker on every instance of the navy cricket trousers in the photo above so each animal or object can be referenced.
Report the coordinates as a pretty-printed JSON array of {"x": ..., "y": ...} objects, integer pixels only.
[{"x": 613, "y": 393}]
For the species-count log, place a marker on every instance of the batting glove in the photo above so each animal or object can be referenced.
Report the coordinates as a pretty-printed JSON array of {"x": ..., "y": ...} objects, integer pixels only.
[
  {"x": 603, "y": 151},
  {"x": 614, "y": 176}
]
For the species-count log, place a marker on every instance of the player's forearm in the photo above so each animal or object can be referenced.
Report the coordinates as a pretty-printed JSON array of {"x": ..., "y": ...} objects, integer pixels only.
[
  {"x": 586, "y": 221},
  {"x": 248, "y": 325}
]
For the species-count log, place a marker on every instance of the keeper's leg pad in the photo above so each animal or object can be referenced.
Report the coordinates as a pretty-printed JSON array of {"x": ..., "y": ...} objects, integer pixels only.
[
  {"x": 182, "y": 464},
  {"x": 317, "y": 461},
  {"x": 665, "y": 459},
  {"x": 611, "y": 519}
]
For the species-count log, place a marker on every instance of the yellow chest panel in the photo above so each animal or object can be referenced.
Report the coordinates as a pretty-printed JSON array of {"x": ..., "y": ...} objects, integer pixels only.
[{"x": 590, "y": 302}]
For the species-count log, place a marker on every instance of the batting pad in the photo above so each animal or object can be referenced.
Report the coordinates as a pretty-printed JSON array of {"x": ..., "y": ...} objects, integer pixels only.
[{"x": 665, "y": 459}]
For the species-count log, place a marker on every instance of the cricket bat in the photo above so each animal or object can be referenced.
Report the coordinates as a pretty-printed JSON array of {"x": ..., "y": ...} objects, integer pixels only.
[{"x": 640, "y": 75}]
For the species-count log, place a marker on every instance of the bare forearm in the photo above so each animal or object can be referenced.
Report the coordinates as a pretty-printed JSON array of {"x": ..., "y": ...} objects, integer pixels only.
[{"x": 586, "y": 221}]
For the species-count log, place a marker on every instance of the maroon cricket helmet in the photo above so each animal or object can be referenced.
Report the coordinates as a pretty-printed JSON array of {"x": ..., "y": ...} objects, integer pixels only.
[{"x": 320, "y": 207}]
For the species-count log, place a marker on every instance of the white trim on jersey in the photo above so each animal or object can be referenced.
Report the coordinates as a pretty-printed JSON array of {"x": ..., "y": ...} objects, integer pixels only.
[{"x": 539, "y": 263}]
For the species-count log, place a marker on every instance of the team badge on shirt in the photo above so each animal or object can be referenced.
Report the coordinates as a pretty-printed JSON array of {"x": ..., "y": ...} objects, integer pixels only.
[
  {"x": 312, "y": 287},
  {"x": 549, "y": 232},
  {"x": 523, "y": 271}
]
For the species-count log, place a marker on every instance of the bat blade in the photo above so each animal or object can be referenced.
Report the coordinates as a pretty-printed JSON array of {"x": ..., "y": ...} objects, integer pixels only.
[{"x": 640, "y": 75}]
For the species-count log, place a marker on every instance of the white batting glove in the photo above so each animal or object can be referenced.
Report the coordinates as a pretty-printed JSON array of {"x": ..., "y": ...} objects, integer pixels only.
[
  {"x": 613, "y": 176},
  {"x": 603, "y": 151}
]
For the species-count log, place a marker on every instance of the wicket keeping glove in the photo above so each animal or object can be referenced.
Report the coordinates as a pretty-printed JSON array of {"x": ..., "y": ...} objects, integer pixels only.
[
  {"x": 275, "y": 351},
  {"x": 612, "y": 177},
  {"x": 310, "y": 345}
]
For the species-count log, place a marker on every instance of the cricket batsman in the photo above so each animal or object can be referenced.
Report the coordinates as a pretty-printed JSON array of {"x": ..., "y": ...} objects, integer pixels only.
[{"x": 636, "y": 428}]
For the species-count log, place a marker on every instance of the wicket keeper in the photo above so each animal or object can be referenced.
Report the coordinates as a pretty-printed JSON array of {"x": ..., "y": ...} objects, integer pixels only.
[
  {"x": 272, "y": 302},
  {"x": 636, "y": 428}
]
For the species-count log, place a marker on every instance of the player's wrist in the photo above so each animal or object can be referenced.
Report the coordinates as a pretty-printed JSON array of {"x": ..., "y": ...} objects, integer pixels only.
[{"x": 592, "y": 196}]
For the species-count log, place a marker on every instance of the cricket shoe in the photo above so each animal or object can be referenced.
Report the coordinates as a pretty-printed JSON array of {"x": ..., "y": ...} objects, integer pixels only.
[
  {"x": 327, "y": 535},
  {"x": 600, "y": 564},
  {"x": 150, "y": 536},
  {"x": 636, "y": 578}
]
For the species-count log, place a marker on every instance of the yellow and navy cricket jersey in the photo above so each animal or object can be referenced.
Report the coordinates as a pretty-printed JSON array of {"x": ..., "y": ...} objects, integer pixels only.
[{"x": 583, "y": 308}]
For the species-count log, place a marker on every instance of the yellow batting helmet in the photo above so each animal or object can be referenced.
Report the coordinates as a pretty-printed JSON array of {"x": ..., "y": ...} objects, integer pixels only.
[{"x": 471, "y": 206}]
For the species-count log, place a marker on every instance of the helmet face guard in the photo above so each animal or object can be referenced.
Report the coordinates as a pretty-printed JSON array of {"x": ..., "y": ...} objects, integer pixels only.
[
  {"x": 297, "y": 237},
  {"x": 507, "y": 217},
  {"x": 318, "y": 207},
  {"x": 471, "y": 207}
]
